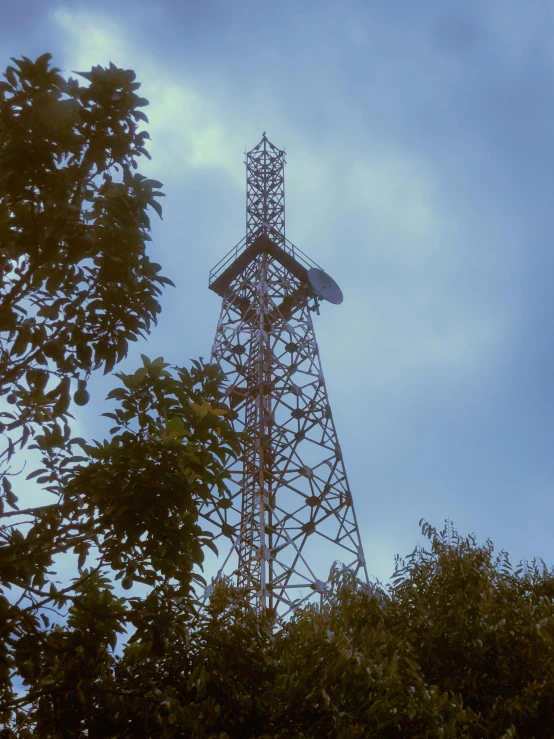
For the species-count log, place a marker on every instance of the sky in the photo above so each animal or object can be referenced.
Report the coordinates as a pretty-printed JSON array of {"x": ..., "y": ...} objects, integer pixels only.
[{"x": 419, "y": 175}]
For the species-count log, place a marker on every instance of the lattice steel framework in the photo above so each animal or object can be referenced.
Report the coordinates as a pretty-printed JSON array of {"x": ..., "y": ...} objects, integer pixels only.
[{"x": 290, "y": 515}]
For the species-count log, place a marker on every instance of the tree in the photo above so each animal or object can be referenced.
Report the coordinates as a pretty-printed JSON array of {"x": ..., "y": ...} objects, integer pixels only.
[
  {"x": 129, "y": 510},
  {"x": 459, "y": 645},
  {"x": 76, "y": 285}
]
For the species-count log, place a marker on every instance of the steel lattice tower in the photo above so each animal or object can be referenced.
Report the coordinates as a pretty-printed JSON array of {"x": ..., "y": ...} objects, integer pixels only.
[{"x": 290, "y": 515}]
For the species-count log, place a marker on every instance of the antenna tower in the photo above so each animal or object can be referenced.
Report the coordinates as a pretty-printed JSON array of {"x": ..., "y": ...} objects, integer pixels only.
[{"x": 290, "y": 515}]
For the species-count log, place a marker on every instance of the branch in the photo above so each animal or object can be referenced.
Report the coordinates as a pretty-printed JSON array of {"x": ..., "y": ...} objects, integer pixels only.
[{"x": 30, "y": 511}]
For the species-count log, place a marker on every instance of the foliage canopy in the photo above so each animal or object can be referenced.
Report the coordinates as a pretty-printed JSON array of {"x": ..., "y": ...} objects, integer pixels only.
[{"x": 76, "y": 285}]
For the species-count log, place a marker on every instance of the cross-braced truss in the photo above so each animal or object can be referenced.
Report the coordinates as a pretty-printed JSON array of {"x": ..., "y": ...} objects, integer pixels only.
[
  {"x": 265, "y": 192},
  {"x": 290, "y": 514}
]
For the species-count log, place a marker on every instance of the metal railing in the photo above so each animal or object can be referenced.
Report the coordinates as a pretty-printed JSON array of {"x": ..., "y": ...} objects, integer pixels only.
[{"x": 285, "y": 244}]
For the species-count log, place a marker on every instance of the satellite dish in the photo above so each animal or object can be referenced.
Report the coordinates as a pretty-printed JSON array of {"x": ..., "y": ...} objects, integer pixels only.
[{"x": 324, "y": 286}]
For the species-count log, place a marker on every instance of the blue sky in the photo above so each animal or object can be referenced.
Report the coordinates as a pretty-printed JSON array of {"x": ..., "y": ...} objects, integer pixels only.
[{"x": 419, "y": 148}]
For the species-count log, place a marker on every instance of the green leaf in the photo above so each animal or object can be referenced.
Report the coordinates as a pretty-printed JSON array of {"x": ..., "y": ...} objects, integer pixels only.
[
  {"x": 175, "y": 425},
  {"x": 11, "y": 498},
  {"x": 82, "y": 559},
  {"x": 157, "y": 207},
  {"x": 152, "y": 184},
  {"x": 117, "y": 393}
]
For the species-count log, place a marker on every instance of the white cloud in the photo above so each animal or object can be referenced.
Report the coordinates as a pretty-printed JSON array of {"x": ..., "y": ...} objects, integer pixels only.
[
  {"x": 379, "y": 551},
  {"x": 188, "y": 131},
  {"x": 405, "y": 312},
  {"x": 400, "y": 314},
  {"x": 398, "y": 197},
  {"x": 369, "y": 209},
  {"x": 386, "y": 191}
]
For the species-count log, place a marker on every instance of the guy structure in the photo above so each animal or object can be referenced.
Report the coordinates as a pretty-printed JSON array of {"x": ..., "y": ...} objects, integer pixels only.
[{"x": 290, "y": 515}]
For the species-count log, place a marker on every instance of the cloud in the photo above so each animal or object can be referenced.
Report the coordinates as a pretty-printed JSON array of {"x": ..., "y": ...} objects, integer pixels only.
[
  {"x": 456, "y": 30},
  {"x": 366, "y": 206},
  {"x": 395, "y": 185},
  {"x": 382, "y": 188},
  {"x": 398, "y": 196},
  {"x": 189, "y": 131},
  {"x": 380, "y": 550},
  {"x": 399, "y": 250}
]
